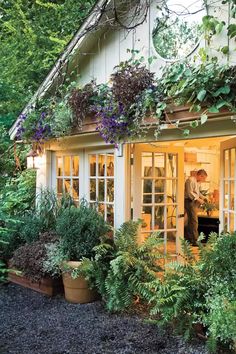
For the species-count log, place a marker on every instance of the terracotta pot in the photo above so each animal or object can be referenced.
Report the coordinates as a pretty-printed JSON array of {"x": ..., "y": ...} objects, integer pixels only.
[{"x": 77, "y": 290}]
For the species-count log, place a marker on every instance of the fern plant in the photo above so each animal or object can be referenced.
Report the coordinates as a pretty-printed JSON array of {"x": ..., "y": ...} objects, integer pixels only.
[
  {"x": 122, "y": 268},
  {"x": 201, "y": 290}
]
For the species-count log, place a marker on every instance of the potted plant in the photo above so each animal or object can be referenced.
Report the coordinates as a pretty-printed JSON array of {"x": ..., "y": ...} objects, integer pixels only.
[{"x": 79, "y": 230}]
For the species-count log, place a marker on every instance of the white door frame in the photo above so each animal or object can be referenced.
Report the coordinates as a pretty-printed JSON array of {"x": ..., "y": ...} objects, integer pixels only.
[
  {"x": 137, "y": 194},
  {"x": 228, "y": 198}
]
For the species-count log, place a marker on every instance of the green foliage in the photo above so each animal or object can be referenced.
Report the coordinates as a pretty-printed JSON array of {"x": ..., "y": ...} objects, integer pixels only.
[
  {"x": 202, "y": 291},
  {"x": 122, "y": 269},
  {"x": 79, "y": 230},
  {"x": 18, "y": 196}
]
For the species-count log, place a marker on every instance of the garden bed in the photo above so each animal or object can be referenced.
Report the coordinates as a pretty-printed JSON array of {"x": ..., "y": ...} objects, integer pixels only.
[{"x": 35, "y": 324}]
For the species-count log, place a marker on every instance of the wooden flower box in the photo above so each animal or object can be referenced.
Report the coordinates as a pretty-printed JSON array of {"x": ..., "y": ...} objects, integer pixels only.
[
  {"x": 47, "y": 286},
  {"x": 175, "y": 113}
]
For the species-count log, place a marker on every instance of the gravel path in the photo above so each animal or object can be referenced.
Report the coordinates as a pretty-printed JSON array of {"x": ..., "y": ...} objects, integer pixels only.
[{"x": 31, "y": 323}]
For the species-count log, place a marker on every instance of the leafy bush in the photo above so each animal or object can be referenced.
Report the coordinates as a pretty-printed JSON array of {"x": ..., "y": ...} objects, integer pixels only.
[
  {"x": 29, "y": 258},
  {"x": 122, "y": 269},
  {"x": 80, "y": 229}
]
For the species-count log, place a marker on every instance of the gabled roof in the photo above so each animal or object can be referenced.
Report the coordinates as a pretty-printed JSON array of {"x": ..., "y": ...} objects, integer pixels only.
[{"x": 76, "y": 42}]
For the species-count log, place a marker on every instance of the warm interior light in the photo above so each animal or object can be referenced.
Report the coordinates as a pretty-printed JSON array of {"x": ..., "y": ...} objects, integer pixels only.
[{"x": 31, "y": 157}]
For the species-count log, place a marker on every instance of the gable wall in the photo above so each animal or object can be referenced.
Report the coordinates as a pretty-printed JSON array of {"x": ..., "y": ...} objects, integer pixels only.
[{"x": 106, "y": 49}]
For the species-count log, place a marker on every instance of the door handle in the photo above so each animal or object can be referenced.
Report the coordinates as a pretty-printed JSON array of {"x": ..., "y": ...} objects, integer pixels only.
[{"x": 180, "y": 216}]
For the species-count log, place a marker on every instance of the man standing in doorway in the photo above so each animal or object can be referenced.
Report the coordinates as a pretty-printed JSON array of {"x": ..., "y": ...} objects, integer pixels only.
[{"x": 192, "y": 200}]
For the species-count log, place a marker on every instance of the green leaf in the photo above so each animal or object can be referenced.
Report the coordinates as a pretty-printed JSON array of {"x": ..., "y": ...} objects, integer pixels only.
[
  {"x": 213, "y": 109},
  {"x": 203, "y": 118},
  {"x": 194, "y": 124},
  {"x": 221, "y": 103},
  {"x": 186, "y": 132},
  {"x": 222, "y": 90},
  {"x": 201, "y": 95},
  {"x": 225, "y": 50},
  {"x": 232, "y": 30}
]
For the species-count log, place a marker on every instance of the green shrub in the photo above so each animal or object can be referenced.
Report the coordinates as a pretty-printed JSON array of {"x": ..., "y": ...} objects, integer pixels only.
[
  {"x": 80, "y": 230},
  {"x": 122, "y": 269}
]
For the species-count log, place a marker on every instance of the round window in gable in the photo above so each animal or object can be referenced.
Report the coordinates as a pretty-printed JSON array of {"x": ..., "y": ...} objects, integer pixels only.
[{"x": 177, "y": 31}]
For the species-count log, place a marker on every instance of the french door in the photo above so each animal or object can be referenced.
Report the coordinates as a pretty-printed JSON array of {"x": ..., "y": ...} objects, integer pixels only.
[
  {"x": 158, "y": 193},
  {"x": 228, "y": 186}
]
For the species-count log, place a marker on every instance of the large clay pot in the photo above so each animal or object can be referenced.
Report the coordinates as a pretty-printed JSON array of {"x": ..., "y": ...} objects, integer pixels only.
[{"x": 77, "y": 290}]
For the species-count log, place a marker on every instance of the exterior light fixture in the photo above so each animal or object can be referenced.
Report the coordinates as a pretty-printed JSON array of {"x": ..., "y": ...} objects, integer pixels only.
[
  {"x": 31, "y": 159},
  {"x": 119, "y": 150}
]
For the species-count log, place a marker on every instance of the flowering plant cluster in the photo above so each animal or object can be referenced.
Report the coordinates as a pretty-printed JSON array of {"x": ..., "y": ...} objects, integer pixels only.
[
  {"x": 34, "y": 127},
  {"x": 118, "y": 108}
]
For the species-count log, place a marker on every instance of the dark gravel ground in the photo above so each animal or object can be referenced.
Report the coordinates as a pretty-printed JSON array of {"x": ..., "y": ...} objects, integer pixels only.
[{"x": 31, "y": 323}]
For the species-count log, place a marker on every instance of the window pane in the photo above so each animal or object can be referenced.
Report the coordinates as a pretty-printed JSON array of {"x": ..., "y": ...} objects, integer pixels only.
[
  {"x": 110, "y": 165},
  {"x": 59, "y": 166},
  {"x": 147, "y": 164},
  {"x": 101, "y": 209},
  {"x": 159, "y": 163},
  {"x": 225, "y": 221},
  {"x": 171, "y": 242},
  {"x": 147, "y": 198},
  {"x": 101, "y": 165},
  {"x": 231, "y": 199},
  {"x": 171, "y": 165},
  {"x": 232, "y": 163},
  {"x": 159, "y": 217},
  {"x": 232, "y": 227},
  {"x": 59, "y": 186},
  {"x": 226, "y": 195},
  {"x": 75, "y": 165},
  {"x": 110, "y": 214},
  {"x": 110, "y": 190},
  {"x": 92, "y": 162},
  {"x": 159, "y": 198},
  {"x": 171, "y": 216},
  {"x": 67, "y": 171},
  {"x": 147, "y": 186},
  {"x": 147, "y": 218},
  {"x": 75, "y": 188},
  {"x": 67, "y": 186},
  {"x": 171, "y": 190},
  {"x": 92, "y": 189},
  {"x": 226, "y": 167},
  {"x": 101, "y": 190},
  {"x": 159, "y": 186}
]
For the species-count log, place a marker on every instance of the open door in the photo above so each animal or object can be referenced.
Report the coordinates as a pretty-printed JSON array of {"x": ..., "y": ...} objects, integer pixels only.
[
  {"x": 228, "y": 186},
  {"x": 158, "y": 193}
]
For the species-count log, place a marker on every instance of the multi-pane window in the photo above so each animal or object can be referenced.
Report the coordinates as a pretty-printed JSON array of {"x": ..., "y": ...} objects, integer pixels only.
[
  {"x": 229, "y": 180},
  {"x": 68, "y": 176},
  {"x": 101, "y": 184}
]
